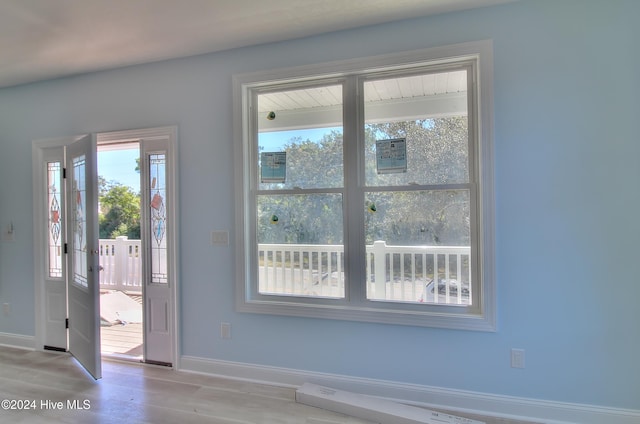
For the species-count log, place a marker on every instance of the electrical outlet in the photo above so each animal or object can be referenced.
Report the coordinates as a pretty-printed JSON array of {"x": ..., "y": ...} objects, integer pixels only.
[
  {"x": 8, "y": 233},
  {"x": 517, "y": 358},
  {"x": 220, "y": 238},
  {"x": 225, "y": 330},
  {"x": 6, "y": 309}
]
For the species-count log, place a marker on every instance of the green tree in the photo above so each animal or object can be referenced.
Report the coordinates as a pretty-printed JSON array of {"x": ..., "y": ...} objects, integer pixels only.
[
  {"x": 119, "y": 211},
  {"x": 437, "y": 153},
  {"x": 312, "y": 218}
]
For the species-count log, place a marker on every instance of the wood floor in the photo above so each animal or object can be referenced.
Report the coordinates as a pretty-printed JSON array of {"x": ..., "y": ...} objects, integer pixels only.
[{"x": 57, "y": 390}]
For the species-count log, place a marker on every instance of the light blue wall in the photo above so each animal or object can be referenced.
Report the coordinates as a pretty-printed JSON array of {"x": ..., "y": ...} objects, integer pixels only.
[{"x": 567, "y": 200}]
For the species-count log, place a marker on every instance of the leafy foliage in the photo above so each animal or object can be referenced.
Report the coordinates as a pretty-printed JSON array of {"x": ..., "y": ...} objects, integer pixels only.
[
  {"x": 437, "y": 154},
  {"x": 119, "y": 210}
]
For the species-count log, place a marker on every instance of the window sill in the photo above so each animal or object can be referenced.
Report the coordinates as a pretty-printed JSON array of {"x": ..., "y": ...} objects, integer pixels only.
[{"x": 447, "y": 317}]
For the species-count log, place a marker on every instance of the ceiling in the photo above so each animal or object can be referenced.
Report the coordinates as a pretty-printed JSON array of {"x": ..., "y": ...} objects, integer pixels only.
[
  {"x": 44, "y": 39},
  {"x": 387, "y": 99}
]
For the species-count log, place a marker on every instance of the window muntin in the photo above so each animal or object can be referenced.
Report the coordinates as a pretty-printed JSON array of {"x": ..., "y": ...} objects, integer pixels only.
[{"x": 457, "y": 173}]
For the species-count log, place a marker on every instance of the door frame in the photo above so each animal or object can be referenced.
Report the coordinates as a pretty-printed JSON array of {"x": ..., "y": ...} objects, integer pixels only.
[
  {"x": 145, "y": 137},
  {"x": 39, "y": 149}
]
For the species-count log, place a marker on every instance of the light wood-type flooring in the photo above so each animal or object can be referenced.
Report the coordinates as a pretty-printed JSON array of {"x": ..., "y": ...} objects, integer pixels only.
[{"x": 57, "y": 390}]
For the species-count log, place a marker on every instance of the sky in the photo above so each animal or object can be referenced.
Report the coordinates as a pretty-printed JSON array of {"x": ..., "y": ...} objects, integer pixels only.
[
  {"x": 274, "y": 141},
  {"x": 120, "y": 166}
]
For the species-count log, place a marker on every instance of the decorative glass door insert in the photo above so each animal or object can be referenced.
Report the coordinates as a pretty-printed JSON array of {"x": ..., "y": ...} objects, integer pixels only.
[
  {"x": 158, "y": 221},
  {"x": 79, "y": 222},
  {"x": 54, "y": 191}
]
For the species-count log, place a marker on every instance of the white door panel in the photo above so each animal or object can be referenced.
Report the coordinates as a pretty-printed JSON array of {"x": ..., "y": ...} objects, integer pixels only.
[{"x": 56, "y": 315}]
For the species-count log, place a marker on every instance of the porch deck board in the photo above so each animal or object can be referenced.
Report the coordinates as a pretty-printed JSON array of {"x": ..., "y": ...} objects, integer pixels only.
[{"x": 121, "y": 339}]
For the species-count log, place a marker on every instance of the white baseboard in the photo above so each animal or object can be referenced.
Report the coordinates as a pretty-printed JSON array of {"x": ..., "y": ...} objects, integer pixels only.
[
  {"x": 17, "y": 340},
  {"x": 549, "y": 412}
]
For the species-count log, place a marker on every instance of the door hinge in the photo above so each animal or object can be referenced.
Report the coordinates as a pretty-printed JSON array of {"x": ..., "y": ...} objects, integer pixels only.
[
  {"x": 64, "y": 173},
  {"x": 66, "y": 323},
  {"x": 65, "y": 248}
]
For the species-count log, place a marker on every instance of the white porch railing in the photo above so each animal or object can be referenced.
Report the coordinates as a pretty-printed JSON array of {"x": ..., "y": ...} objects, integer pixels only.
[
  {"x": 121, "y": 262},
  {"x": 433, "y": 274},
  {"x": 301, "y": 269}
]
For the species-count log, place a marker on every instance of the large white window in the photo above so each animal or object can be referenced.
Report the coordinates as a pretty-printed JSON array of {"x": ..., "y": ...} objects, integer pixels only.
[{"x": 364, "y": 189}]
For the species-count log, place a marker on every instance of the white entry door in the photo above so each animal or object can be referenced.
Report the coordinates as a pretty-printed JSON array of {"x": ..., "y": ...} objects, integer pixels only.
[{"x": 83, "y": 270}]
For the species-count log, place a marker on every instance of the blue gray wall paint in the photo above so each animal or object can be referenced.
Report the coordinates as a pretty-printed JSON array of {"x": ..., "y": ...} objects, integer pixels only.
[{"x": 566, "y": 97}]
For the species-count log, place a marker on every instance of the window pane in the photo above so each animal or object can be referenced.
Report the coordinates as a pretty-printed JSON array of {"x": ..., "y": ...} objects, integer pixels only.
[
  {"x": 305, "y": 125},
  {"x": 418, "y": 246},
  {"x": 429, "y": 113},
  {"x": 79, "y": 222},
  {"x": 158, "y": 213},
  {"x": 300, "y": 245},
  {"x": 54, "y": 174}
]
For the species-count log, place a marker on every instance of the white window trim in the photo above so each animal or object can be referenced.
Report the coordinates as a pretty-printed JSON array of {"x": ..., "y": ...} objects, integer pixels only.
[{"x": 480, "y": 318}]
